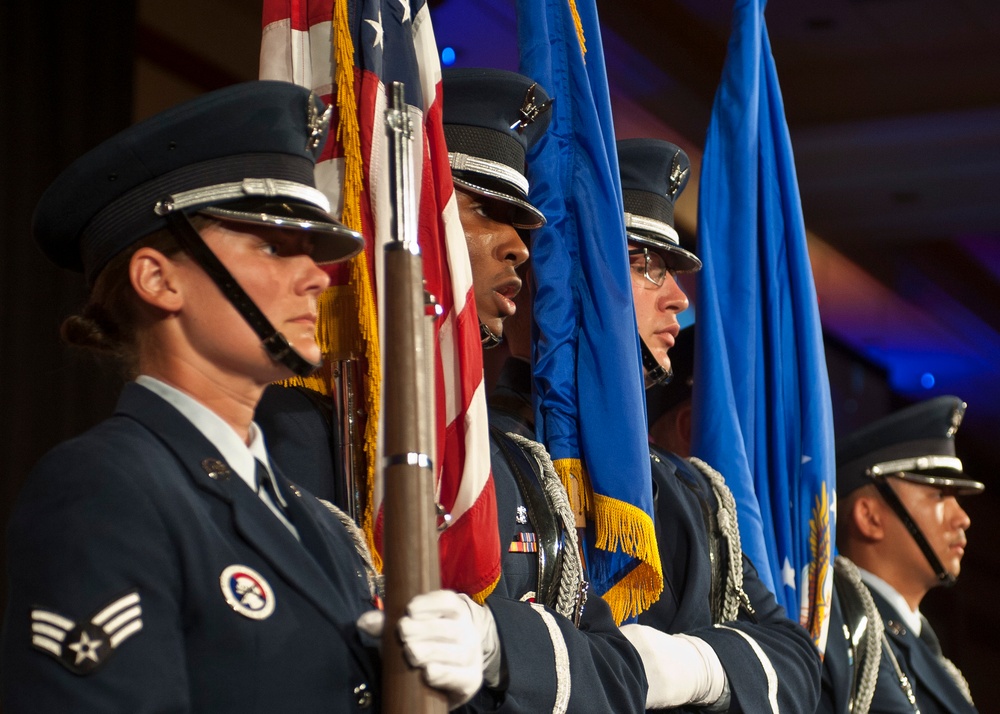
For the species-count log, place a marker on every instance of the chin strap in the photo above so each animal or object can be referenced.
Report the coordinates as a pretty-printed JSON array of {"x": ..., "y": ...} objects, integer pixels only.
[
  {"x": 654, "y": 372},
  {"x": 275, "y": 344},
  {"x": 943, "y": 576},
  {"x": 489, "y": 338}
]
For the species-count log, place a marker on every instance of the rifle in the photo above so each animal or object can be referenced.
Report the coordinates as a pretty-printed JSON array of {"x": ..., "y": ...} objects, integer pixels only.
[{"x": 410, "y": 518}]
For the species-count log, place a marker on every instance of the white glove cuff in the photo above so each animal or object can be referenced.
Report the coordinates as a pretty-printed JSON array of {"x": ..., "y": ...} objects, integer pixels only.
[
  {"x": 482, "y": 616},
  {"x": 712, "y": 683}
]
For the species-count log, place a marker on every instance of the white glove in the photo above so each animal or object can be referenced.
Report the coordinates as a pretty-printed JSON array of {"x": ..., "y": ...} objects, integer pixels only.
[
  {"x": 680, "y": 669},
  {"x": 451, "y": 638}
]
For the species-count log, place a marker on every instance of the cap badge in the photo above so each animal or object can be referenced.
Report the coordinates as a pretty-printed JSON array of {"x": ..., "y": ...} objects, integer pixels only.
[
  {"x": 957, "y": 414},
  {"x": 529, "y": 110},
  {"x": 316, "y": 122},
  {"x": 677, "y": 175},
  {"x": 82, "y": 647},
  {"x": 247, "y": 592}
]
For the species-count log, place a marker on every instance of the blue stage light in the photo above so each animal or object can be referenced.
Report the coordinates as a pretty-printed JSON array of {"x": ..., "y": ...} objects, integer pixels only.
[
  {"x": 448, "y": 56},
  {"x": 927, "y": 380}
]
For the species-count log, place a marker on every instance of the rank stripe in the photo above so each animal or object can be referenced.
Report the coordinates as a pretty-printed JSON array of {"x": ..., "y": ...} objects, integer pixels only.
[
  {"x": 48, "y": 631},
  {"x": 44, "y": 643},
  {"x": 124, "y": 633},
  {"x": 134, "y": 613},
  {"x": 114, "y": 608},
  {"x": 52, "y": 618}
]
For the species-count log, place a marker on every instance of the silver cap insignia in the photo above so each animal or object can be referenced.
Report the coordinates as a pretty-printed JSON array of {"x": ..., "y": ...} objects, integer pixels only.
[{"x": 529, "y": 110}]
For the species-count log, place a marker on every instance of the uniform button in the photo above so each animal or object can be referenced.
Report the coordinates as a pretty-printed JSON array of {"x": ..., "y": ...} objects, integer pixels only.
[{"x": 364, "y": 697}]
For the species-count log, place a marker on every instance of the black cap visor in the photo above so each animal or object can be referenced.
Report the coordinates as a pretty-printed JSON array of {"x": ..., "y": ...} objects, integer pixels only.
[
  {"x": 947, "y": 483},
  {"x": 525, "y": 215},
  {"x": 332, "y": 241}
]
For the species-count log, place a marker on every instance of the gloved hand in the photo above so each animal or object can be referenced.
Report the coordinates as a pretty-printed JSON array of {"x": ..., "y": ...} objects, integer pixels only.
[
  {"x": 451, "y": 638},
  {"x": 680, "y": 669}
]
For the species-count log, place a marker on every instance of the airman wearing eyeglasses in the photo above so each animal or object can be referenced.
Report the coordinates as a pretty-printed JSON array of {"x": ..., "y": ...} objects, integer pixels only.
[{"x": 716, "y": 638}]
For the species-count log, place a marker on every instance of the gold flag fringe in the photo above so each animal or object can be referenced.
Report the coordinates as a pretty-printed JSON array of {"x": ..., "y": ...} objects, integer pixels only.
[
  {"x": 480, "y": 597},
  {"x": 622, "y": 526},
  {"x": 577, "y": 484},
  {"x": 347, "y": 318},
  {"x": 618, "y": 526},
  {"x": 349, "y": 135},
  {"x": 579, "y": 27}
]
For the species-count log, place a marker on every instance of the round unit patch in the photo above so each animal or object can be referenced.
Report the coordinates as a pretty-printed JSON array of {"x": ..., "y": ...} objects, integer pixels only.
[{"x": 247, "y": 592}]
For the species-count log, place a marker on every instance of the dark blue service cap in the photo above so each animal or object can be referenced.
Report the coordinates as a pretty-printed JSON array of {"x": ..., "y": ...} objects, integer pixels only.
[
  {"x": 491, "y": 118},
  {"x": 914, "y": 444},
  {"x": 245, "y": 153},
  {"x": 653, "y": 173},
  {"x": 664, "y": 396}
]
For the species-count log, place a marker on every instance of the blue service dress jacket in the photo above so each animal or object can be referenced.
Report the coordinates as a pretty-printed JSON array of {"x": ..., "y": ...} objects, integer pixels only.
[
  {"x": 770, "y": 661},
  {"x": 147, "y": 577},
  {"x": 934, "y": 688},
  {"x": 548, "y": 663}
]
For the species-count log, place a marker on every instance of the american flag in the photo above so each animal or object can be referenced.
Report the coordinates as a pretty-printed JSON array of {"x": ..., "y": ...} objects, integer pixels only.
[{"x": 348, "y": 53}]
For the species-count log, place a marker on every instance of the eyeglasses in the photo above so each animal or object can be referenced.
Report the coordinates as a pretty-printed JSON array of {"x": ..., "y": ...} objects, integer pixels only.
[{"x": 652, "y": 267}]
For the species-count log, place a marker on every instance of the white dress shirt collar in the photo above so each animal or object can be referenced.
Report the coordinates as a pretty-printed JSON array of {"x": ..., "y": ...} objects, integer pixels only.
[{"x": 912, "y": 618}]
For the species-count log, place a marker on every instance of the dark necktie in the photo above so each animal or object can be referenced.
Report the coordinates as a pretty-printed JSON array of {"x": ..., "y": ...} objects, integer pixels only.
[
  {"x": 265, "y": 483},
  {"x": 929, "y": 638}
]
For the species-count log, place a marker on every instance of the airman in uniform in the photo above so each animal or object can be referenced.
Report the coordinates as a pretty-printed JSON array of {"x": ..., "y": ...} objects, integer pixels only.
[
  {"x": 161, "y": 561},
  {"x": 716, "y": 638},
  {"x": 901, "y": 531}
]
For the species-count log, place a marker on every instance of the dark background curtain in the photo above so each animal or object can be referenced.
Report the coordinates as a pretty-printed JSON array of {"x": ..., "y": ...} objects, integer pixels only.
[{"x": 66, "y": 85}]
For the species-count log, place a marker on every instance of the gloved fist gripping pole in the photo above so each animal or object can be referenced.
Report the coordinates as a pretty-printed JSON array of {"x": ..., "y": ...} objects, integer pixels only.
[{"x": 450, "y": 639}]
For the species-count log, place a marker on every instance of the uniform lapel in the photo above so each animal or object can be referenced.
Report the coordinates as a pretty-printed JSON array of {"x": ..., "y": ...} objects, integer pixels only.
[
  {"x": 932, "y": 680},
  {"x": 250, "y": 517}
]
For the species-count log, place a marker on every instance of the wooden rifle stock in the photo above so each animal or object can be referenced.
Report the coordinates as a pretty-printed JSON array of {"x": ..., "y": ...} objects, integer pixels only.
[{"x": 409, "y": 517}]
